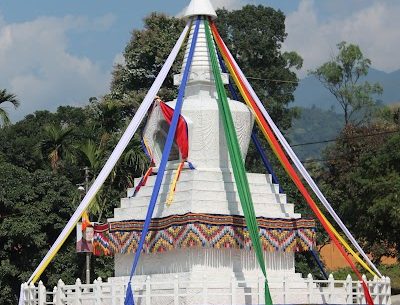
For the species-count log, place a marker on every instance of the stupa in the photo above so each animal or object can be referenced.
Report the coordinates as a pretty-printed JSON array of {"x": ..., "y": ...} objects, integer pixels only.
[
  {"x": 200, "y": 240},
  {"x": 202, "y": 233}
]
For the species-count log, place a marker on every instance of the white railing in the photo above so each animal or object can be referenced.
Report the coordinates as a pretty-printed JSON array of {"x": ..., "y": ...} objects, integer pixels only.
[{"x": 184, "y": 292}]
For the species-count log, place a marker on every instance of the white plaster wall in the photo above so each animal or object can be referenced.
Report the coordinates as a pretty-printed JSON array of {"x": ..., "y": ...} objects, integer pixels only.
[
  {"x": 207, "y": 144},
  {"x": 210, "y": 262},
  {"x": 206, "y": 191}
]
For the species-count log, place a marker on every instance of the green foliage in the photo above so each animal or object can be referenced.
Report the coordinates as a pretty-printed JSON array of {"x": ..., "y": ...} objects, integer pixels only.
[
  {"x": 305, "y": 264},
  {"x": 34, "y": 208},
  {"x": 144, "y": 56},
  {"x": 29, "y": 186},
  {"x": 259, "y": 55},
  {"x": 392, "y": 271},
  {"x": 6, "y": 97},
  {"x": 363, "y": 179},
  {"x": 365, "y": 183},
  {"x": 55, "y": 144},
  {"x": 313, "y": 125},
  {"x": 341, "y": 76}
]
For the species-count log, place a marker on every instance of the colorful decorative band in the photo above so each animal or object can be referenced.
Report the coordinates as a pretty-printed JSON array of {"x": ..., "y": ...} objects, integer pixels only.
[
  {"x": 211, "y": 219},
  {"x": 203, "y": 231}
]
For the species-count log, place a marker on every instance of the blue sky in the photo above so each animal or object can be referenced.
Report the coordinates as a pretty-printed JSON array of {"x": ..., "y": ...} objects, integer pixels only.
[{"x": 62, "y": 52}]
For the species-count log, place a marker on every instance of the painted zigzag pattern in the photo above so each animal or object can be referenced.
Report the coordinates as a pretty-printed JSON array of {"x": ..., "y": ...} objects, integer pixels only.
[{"x": 107, "y": 242}]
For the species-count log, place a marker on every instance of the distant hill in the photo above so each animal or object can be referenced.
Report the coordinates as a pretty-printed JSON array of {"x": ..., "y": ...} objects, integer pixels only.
[
  {"x": 321, "y": 117},
  {"x": 314, "y": 125},
  {"x": 311, "y": 92}
]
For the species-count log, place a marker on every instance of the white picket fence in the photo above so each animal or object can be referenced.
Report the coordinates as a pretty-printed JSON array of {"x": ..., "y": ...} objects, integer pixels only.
[{"x": 183, "y": 292}]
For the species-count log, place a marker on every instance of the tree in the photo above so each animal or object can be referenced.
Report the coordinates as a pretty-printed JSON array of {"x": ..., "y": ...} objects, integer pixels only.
[
  {"x": 362, "y": 180},
  {"x": 55, "y": 144},
  {"x": 144, "y": 56},
  {"x": 18, "y": 140},
  {"x": 6, "y": 97},
  {"x": 259, "y": 54},
  {"x": 342, "y": 77},
  {"x": 34, "y": 207}
]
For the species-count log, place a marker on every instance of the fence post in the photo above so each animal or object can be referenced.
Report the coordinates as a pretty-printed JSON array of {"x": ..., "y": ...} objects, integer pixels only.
[
  {"x": 112, "y": 293},
  {"x": 148, "y": 290},
  {"x": 359, "y": 292},
  {"x": 59, "y": 293},
  {"x": 382, "y": 285},
  {"x": 78, "y": 292},
  {"x": 364, "y": 278},
  {"x": 31, "y": 291},
  {"x": 309, "y": 287},
  {"x": 98, "y": 291},
  {"x": 349, "y": 289},
  {"x": 41, "y": 294},
  {"x": 176, "y": 290},
  {"x": 388, "y": 291},
  {"x": 54, "y": 295},
  {"x": 331, "y": 286},
  {"x": 24, "y": 294},
  {"x": 94, "y": 293},
  {"x": 233, "y": 289},
  {"x": 375, "y": 290}
]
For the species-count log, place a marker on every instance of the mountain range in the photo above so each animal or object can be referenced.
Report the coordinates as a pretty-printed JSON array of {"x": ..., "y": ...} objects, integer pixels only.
[
  {"x": 311, "y": 92},
  {"x": 321, "y": 117}
]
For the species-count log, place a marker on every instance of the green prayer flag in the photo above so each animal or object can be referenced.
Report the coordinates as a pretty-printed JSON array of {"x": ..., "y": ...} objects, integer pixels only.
[{"x": 239, "y": 171}]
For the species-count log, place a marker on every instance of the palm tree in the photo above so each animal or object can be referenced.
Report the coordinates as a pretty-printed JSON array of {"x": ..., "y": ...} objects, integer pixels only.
[
  {"x": 6, "y": 97},
  {"x": 55, "y": 144},
  {"x": 134, "y": 156},
  {"x": 94, "y": 155}
]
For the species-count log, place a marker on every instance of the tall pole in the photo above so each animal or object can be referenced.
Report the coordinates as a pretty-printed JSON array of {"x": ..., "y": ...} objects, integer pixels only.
[{"x": 87, "y": 253}]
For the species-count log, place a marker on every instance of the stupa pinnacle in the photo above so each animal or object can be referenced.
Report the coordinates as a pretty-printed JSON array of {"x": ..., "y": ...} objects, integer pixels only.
[{"x": 200, "y": 8}]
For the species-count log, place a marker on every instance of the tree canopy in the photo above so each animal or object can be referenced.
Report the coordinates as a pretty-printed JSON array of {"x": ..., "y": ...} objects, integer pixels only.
[
  {"x": 362, "y": 179},
  {"x": 342, "y": 77},
  {"x": 24, "y": 239},
  {"x": 259, "y": 54},
  {"x": 42, "y": 156},
  {"x": 6, "y": 97}
]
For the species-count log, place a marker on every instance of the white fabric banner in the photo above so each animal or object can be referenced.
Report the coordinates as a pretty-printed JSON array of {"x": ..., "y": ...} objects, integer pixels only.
[
  {"x": 116, "y": 154},
  {"x": 301, "y": 168}
]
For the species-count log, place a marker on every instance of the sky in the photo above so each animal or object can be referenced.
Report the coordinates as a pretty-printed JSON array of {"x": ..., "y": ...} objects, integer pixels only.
[{"x": 62, "y": 52}]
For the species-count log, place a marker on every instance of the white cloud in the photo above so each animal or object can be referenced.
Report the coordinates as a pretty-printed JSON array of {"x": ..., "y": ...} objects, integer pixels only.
[
  {"x": 228, "y": 4},
  {"x": 36, "y": 64},
  {"x": 119, "y": 59},
  {"x": 374, "y": 28},
  {"x": 104, "y": 22}
]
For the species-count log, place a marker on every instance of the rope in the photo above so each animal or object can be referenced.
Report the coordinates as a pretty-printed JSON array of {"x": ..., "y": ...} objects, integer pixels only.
[
  {"x": 171, "y": 193},
  {"x": 301, "y": 168},
  {"x": 112, "y": 160},
  {"x": 237, "y": 162},
  {"x": 129, "y": 300},
  {"x": 285, "y": 163},
  {"x": 143, "y": 180},
  {"x": 264, "y": 158}
]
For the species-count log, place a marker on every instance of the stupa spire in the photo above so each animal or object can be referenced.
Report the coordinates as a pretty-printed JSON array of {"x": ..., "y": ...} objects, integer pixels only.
[
  {"x": 201, "y": 80},
  {"x": 200, "y": 8}
]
